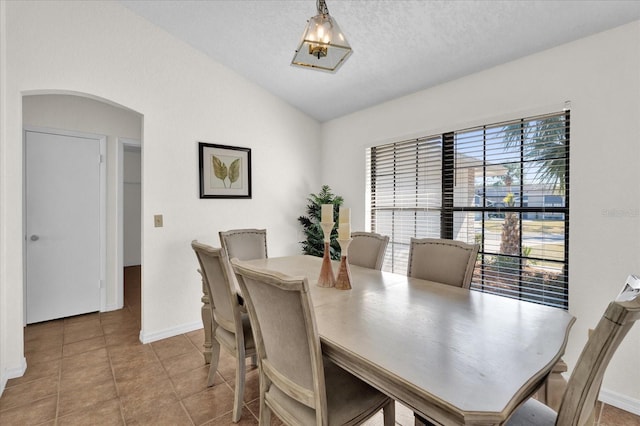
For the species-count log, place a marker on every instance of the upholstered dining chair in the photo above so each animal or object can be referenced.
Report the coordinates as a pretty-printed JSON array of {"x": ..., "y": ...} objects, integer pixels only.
[
  {"x": 231, "y": 327},
  {"x": 584, "y": 384},
  {"x": 297, "y": 383},
  {"x": 244, "y": 244},
  {"x": 444, "y": 261},
  {"x": 367, "y": 249}
]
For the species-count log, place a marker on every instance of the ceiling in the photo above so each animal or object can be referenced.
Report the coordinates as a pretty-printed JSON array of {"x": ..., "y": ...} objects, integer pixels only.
[{"x": 399, "y": 46}]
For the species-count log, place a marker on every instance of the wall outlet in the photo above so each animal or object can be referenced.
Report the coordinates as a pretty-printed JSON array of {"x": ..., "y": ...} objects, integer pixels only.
[{"x": 157, "y": 221}]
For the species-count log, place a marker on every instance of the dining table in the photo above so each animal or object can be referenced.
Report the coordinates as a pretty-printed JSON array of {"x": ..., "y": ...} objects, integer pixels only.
[{"x": 452, "y": 355}]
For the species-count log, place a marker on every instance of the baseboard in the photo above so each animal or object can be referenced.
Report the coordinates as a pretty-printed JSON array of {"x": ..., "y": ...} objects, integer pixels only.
[
  {"x": 620, "y": 401},
  {"x": 12, "y": 373},
  {"x": 169, "y": 332}
]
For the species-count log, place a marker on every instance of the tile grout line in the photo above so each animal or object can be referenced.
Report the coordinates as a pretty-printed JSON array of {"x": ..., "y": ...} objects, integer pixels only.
[{"x": 113, "y": 374}]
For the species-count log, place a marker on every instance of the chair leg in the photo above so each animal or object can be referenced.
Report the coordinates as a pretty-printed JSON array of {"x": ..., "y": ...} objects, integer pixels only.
[
  {"x": 241, "y": 369},
  {"x": 215, "y": 359},
  {"x": 265, "y": 414},
  {"x": 389, "y": 413}
]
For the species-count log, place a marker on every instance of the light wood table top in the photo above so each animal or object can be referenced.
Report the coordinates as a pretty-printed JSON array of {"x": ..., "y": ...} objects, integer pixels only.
[{"x": 453, "y": 355}]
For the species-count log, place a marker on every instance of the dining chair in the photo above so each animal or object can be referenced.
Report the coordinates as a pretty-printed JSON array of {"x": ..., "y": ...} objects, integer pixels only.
[
  {"x": 444, "y": 261},
  {"x": 244, "y": 244},
  {"x": 231, "y": 328},
  {"x": 367, "y": 249},
  {"x": 297, "y": 383},
  {"x": 584, "y": 384}
]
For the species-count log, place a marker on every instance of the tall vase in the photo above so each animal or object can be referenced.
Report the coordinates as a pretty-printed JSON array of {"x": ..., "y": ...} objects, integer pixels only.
[
  {"x": 326, "y": 278},
  {"x": 343, "y": 282}
]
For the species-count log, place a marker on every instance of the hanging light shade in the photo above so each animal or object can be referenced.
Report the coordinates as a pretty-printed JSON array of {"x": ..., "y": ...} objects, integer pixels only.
[{"x": 323, "y": 45}]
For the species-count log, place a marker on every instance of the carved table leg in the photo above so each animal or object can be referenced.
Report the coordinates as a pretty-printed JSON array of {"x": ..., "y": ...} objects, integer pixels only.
[{"x": 553, "y": 389}]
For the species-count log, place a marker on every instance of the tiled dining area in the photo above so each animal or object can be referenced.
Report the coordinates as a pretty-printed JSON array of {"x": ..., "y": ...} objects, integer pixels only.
[{"x": 92, "y": 370}]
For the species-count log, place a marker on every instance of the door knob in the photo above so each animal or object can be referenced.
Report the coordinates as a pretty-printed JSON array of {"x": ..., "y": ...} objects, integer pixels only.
[{"x": 34, "y": 238}]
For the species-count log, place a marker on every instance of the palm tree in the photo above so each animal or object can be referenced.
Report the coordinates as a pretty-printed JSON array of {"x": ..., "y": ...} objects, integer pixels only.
[{"x": 544, "y": 142}]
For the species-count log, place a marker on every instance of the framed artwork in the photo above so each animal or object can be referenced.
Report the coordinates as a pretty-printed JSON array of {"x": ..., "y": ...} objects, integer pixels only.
[{"x": 225, "y": 171}]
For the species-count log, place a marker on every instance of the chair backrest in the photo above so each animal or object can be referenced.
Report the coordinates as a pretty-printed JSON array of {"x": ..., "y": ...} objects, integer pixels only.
[
  {"x": 367, "y": 249},
  {"x": 444, "y": 261},
  {"x": 285, "y": 333},
  {"x": 584, "y": 384},
  {"x": 215, "y": 270},
  {"x": 244, "y": 244}
]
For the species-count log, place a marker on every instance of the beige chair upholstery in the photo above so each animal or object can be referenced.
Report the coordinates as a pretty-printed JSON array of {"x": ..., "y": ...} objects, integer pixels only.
[
  {"x": 367, "y": 249},
  {"x": 584, "y": 383},
  {"x": 296, "y": 382},
  {"x": 231, "y": 328},
  {"x": 445, "y": 261},
  {"x": 245, "y": 244}
]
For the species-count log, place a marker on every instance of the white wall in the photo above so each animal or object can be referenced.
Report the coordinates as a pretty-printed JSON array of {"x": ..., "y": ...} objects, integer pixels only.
[
  {"x": 102, "y": 49},
  {"x": 132, "y": 196},
  {"x": 600, "y": 75},
  {"x": 91, "y": 116}
]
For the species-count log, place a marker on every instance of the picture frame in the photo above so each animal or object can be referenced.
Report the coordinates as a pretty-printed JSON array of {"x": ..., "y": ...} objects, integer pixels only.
[{"x": 225, "y": 171}]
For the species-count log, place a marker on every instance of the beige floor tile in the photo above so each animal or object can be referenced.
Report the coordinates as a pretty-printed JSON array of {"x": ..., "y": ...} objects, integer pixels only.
[
  {"x": 37, "y": 371},
  {"x": 86, "y": 397},
  {"x": 43, "y": 343},
  {"x": 43, "y": 329},
  {"x": 210, "y": 404},
  {"x": 127, "y": 362},
  {"x": 34, "y": 413},
  {"x": 81, "y": 346},
  {"x": 247, "y": 419},
  {"x": 118, "y": 316},
  {"x": 197, "y": 338},
  {"x": 131, "y": 338},
  {"x": 157, "y": 412},
  {"x": 93, "y": 357},
  {"x": 106, "y": 413},
  {"x": 145, "y": 387},
  {"x": 46, "y": 355},
  {"x": 183, "y": 363},
  {"x": 612, "y": 416},
  {"x": 27, "y": 393},
  {"x": 194, "y": 381},
  {"x": 80, "y": 331},
  {"x": 254, "y": 407},
  {"x": 121, "y": 328},
  {"x": 172, "y": 346},
  {"x": 85, "y": 376}
]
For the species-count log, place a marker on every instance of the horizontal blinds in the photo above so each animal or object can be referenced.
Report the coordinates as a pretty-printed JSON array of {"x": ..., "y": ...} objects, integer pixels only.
[
  {"x": 406, "y": 194},
  {"x": 504, "y": 186}
]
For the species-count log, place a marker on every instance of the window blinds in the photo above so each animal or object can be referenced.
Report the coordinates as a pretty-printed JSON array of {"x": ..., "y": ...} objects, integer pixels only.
[{"x": 504, "y": 186}]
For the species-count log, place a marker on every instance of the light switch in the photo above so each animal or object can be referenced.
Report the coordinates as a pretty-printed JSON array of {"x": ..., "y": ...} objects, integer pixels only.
[{"x": 157, "y": 220}]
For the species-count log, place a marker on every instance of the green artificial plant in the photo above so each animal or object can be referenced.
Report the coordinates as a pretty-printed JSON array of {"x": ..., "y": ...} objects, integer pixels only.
[{"x": 314, "y": 244}]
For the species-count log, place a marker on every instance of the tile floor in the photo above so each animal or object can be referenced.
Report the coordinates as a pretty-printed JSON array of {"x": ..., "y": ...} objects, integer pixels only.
[{"x": 92, "y": 370}]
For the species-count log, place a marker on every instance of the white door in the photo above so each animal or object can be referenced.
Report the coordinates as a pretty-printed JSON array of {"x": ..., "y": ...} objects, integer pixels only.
[{"x": 62, "y": 225}]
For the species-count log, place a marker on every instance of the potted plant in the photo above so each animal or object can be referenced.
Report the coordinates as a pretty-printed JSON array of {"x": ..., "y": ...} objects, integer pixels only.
[{"x": 314, "y": 243}]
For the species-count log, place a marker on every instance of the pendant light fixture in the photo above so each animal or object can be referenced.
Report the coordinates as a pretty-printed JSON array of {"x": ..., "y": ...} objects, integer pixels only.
[{"x": 323, "y": 46}]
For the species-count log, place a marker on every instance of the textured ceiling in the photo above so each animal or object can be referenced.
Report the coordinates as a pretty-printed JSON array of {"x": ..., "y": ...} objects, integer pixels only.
[{"x": 400, "y": 46}]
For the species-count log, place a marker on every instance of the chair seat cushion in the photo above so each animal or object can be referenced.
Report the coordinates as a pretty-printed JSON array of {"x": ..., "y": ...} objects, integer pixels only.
[
  {"x": 228, "y": 338},
  {"x": 533, "y": 413},
  {"x": 349, "y": 399}
]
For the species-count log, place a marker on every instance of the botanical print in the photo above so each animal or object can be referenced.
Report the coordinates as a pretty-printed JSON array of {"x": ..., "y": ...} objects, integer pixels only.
[
  {"x": 225, "y": 171},
  {"x": 224, "y": 176}
]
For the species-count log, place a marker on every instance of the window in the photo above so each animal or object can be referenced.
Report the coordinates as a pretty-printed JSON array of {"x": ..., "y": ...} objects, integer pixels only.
[{"x": 504, "y": 186}]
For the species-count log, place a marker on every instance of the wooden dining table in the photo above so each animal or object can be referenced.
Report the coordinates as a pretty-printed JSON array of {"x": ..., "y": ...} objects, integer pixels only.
[{"x": 452, "y": 355}]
